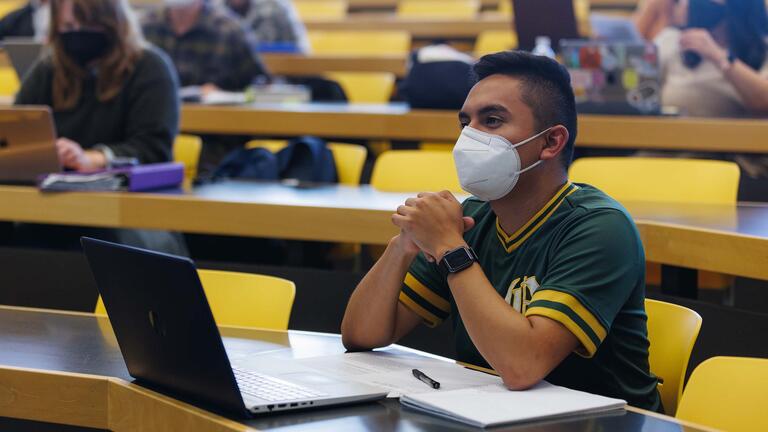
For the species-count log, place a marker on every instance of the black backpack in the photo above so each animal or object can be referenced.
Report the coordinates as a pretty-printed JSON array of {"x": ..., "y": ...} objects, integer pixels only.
[
  {"x": 437, "y": 84},
  {"x": 307, "y": 159},
  {"x": 248, "y": 163}
]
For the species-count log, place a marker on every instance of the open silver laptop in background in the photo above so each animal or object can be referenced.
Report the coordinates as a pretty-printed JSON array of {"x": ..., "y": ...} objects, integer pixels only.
[
  {"x": 168, "y": 338},
  {"x": 23, "y": 53},
  {"x": 27, "y": 144}
]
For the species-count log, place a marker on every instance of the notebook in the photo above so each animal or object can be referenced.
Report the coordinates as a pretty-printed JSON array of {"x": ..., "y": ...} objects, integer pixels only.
[{"x": 494, "y": 405}]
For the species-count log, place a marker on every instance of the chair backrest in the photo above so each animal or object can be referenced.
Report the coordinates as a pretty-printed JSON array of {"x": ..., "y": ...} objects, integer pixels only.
[
  {"x": 460, "y": 9},
  {"x": 365, "y": 87},
  {"x": 492, "y": 41},
  {"x": 9, "y": 81},
  {"x": 727, "y": 393},
  {"x": 415, "y": 171},
  {"x": 672, "y": 332},
  {"x": 350, "y": 42},
  {"x": 244, "y": 299},
  {"x": 186, "y": 149},
  {"x": 321, "y": 9},
  {"x": 349, "y": 158},
  {"x": 660, "y": 179},
  {"x": 8, "y": 6}
]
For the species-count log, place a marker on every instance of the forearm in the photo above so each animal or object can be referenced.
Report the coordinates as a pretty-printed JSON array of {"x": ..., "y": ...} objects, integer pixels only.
[
  {"x": 526, "y": 355},
  {"x": 370, "y": 320},
  {"x": 752, "y": 87}
]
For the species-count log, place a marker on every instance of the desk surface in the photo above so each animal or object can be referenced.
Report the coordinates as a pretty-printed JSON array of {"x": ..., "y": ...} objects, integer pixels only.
[
  {"x": 48, "y": 342},
  {"x": 398, "y": 121},
  {"x": 731, "y": 240},
  {"x": 317, "y": 64},
  {"x": 417, "y": 27}
]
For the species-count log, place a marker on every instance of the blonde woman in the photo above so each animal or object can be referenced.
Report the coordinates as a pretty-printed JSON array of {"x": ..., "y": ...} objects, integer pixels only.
[{"x": 112, "y": 95}]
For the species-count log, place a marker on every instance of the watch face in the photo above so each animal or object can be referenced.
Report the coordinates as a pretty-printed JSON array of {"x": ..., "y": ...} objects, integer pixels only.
[{"x": 457, "y": 258}]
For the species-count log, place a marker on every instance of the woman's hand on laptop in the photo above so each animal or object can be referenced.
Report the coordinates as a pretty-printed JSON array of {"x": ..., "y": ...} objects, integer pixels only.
[{"x": 72, "y": 156}]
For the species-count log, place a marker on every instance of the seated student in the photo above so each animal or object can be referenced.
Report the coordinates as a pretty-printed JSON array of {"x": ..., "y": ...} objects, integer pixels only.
[
  {"x": 272, "y": 22},
  {"x": 112, "y": 95},
  {"x": 207, "y": 44},
  {"x": 555, "y": 286},
  {"x": 28, "y": 21}
]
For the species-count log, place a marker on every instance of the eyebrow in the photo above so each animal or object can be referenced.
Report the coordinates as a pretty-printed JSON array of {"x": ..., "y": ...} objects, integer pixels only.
[{"x": 493, "y": 109}]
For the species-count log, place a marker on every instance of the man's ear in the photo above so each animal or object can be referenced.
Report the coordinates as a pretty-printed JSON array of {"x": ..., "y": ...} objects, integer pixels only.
[{"x": 556, "y": 139}]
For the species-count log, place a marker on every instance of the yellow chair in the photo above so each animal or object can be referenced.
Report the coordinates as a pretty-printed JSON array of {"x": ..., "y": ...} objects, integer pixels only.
[
  {"x": 349, "y": 158},
  {"x": 493, "y": 41},
  {"x": 505, "y": 8},
  {"x": 321, "y": 9},
  {"x": 727, "y": 393},
  {"x": 186, "y": 149},
  {"x": 9, "y": 81},
  {"x": 244, "y": 299},
  {"x": 8, "y": 6},
  {"x": 672, "y": 331},
  {"x": 670, "y": 180},
  {"x": 360, "y": 43},
  {"x": 415, "y": 171},
  {"x": 459, "y": 9},
  {"x": 365, "y": 87}
]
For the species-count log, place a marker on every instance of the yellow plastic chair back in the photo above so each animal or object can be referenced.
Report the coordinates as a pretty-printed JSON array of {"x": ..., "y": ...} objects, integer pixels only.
[
  {"x": 349, "y": 158},
  {"x": 8, "y": 6},
  {"x": 505, "y": 8},
  {"x": 357, "y": 43},
  {"x": 690, "y": 181},
  {"x": 459, "y": 9},
  {"x": 244, "y": 299},
  {"x": 672, "y": 331},
  {"x": 727, "y": 393},
  {"x": 365, "y": 87},
  {"x": 321, "y": 9},
  {"x": 9, "y": 81},
  {"x": 493, "y": 41},
  {"x": 186, "y": 149},
  {"x": 415, "y": 171}
]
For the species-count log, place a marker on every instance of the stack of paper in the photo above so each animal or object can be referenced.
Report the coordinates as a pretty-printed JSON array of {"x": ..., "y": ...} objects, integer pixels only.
[{"x": 495, "y": 405}]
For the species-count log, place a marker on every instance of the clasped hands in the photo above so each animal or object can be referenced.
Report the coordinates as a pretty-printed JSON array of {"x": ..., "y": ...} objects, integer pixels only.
[{"x": 432, "y": 223}]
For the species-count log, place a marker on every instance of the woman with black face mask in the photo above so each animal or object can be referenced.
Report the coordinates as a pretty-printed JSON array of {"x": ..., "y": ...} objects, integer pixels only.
[{"x": 112, "y": 95}]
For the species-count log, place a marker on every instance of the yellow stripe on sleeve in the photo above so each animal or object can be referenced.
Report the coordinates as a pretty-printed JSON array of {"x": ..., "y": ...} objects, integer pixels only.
[
  {"x": 587, "y": 348},
  {"x": 426, "y": 293},
  {"x": 575, "y": 305},
  {"x": 429, "y": 319}
]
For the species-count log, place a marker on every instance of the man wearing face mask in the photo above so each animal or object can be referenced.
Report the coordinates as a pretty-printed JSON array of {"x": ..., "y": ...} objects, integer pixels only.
[{"x": 544, "y": 278}]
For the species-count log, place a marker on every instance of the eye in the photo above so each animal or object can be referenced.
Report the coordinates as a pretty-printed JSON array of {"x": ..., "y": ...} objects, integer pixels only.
[{"x": 492, "y": 121}]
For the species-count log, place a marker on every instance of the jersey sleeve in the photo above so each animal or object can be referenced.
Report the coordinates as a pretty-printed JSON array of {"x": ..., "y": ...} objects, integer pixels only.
[
  {"x": 425, "y": 291},
  {"x": 594, "y": 268}
]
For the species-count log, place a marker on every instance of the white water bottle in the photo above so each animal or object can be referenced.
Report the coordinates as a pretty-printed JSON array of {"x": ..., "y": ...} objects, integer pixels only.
[{"x": 543, "y": 47}]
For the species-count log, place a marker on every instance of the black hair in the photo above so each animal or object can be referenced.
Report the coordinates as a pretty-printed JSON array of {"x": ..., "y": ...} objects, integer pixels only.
[
  {"x": 747, "y": 31},
  {"x": 546, "y": 89}
]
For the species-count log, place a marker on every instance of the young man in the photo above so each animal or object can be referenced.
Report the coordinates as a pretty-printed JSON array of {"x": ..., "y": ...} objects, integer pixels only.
[
  {"x": 544, "y": 278},
  {"x": 272, "y": 22}
]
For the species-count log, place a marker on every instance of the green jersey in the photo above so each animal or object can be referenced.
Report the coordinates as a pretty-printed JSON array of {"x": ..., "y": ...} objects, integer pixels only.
[{"x": 578, "y": 261}]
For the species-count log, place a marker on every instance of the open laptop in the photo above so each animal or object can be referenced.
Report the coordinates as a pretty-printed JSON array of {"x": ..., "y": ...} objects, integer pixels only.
[
  {"x": 621, "y": 78},
  {"x": 27, "y": 144},
  {"x": 23, "y": 53},
  {"x": 169, "y": 339},
  {"x": 553, "y": 18}
]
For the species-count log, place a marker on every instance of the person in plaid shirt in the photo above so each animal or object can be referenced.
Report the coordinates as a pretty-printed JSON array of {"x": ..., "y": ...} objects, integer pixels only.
[
  {"x": 272, "y": 22},
  {"x": 207, "y": 44}
]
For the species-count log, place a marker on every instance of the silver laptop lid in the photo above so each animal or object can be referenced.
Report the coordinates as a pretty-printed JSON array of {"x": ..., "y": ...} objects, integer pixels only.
[{"x": 27, "y": 144}]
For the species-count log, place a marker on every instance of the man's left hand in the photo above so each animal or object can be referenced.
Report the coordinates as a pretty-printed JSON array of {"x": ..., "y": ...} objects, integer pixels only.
[{"x": 434, "y": 221}]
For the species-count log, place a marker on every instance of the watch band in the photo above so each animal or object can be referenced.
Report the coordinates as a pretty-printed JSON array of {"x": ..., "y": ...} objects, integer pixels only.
[{"x": 457, "y": 260}]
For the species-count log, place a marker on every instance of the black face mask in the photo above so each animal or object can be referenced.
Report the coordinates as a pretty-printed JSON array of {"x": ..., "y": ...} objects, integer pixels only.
[
  {"x": 84, "y": 46},
  {"x": 705, "y": 14}
]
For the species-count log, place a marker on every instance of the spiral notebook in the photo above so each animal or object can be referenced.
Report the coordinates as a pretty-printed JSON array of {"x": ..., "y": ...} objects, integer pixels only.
[{"x": 494, "y": 405}]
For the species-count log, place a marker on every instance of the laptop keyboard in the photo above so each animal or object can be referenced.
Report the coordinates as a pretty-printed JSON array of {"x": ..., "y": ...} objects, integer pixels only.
[{"x": 271, "y": 389}]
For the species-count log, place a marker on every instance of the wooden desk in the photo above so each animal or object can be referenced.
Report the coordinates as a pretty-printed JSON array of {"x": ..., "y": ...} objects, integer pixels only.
[
  {"x": 397, "y": 121},
  {"x": 392, "y": 4},
  {"x": 418, "y": 28},
  {"x": 719, "y": 239},
  {"x": 66, "y": 368},
  {"x": 292, "y": 65}
]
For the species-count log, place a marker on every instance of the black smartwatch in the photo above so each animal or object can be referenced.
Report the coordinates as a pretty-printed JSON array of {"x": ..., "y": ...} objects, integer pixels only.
[{"x": 457, "y": 260}]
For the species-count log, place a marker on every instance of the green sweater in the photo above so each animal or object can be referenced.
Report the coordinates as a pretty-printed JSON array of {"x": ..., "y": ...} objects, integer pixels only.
[{"x": 141, "y": 121}]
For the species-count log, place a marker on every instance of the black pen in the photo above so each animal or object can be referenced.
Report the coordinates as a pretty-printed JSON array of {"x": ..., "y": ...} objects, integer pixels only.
[{"x": 425, "y": 379}]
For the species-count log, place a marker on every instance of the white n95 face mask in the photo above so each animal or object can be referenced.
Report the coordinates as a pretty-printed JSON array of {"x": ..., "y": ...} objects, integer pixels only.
[{"x": 488, "y": 165}]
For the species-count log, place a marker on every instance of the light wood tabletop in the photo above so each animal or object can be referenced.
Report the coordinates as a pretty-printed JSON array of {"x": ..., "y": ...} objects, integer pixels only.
[
  {"x": 417, "y": 27},
  {"x": 318, "y": 64},
  {"x": 66, "y": 368},
  {"x": 398, "y": 122},
  {"x": 723, "y": 239}
]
